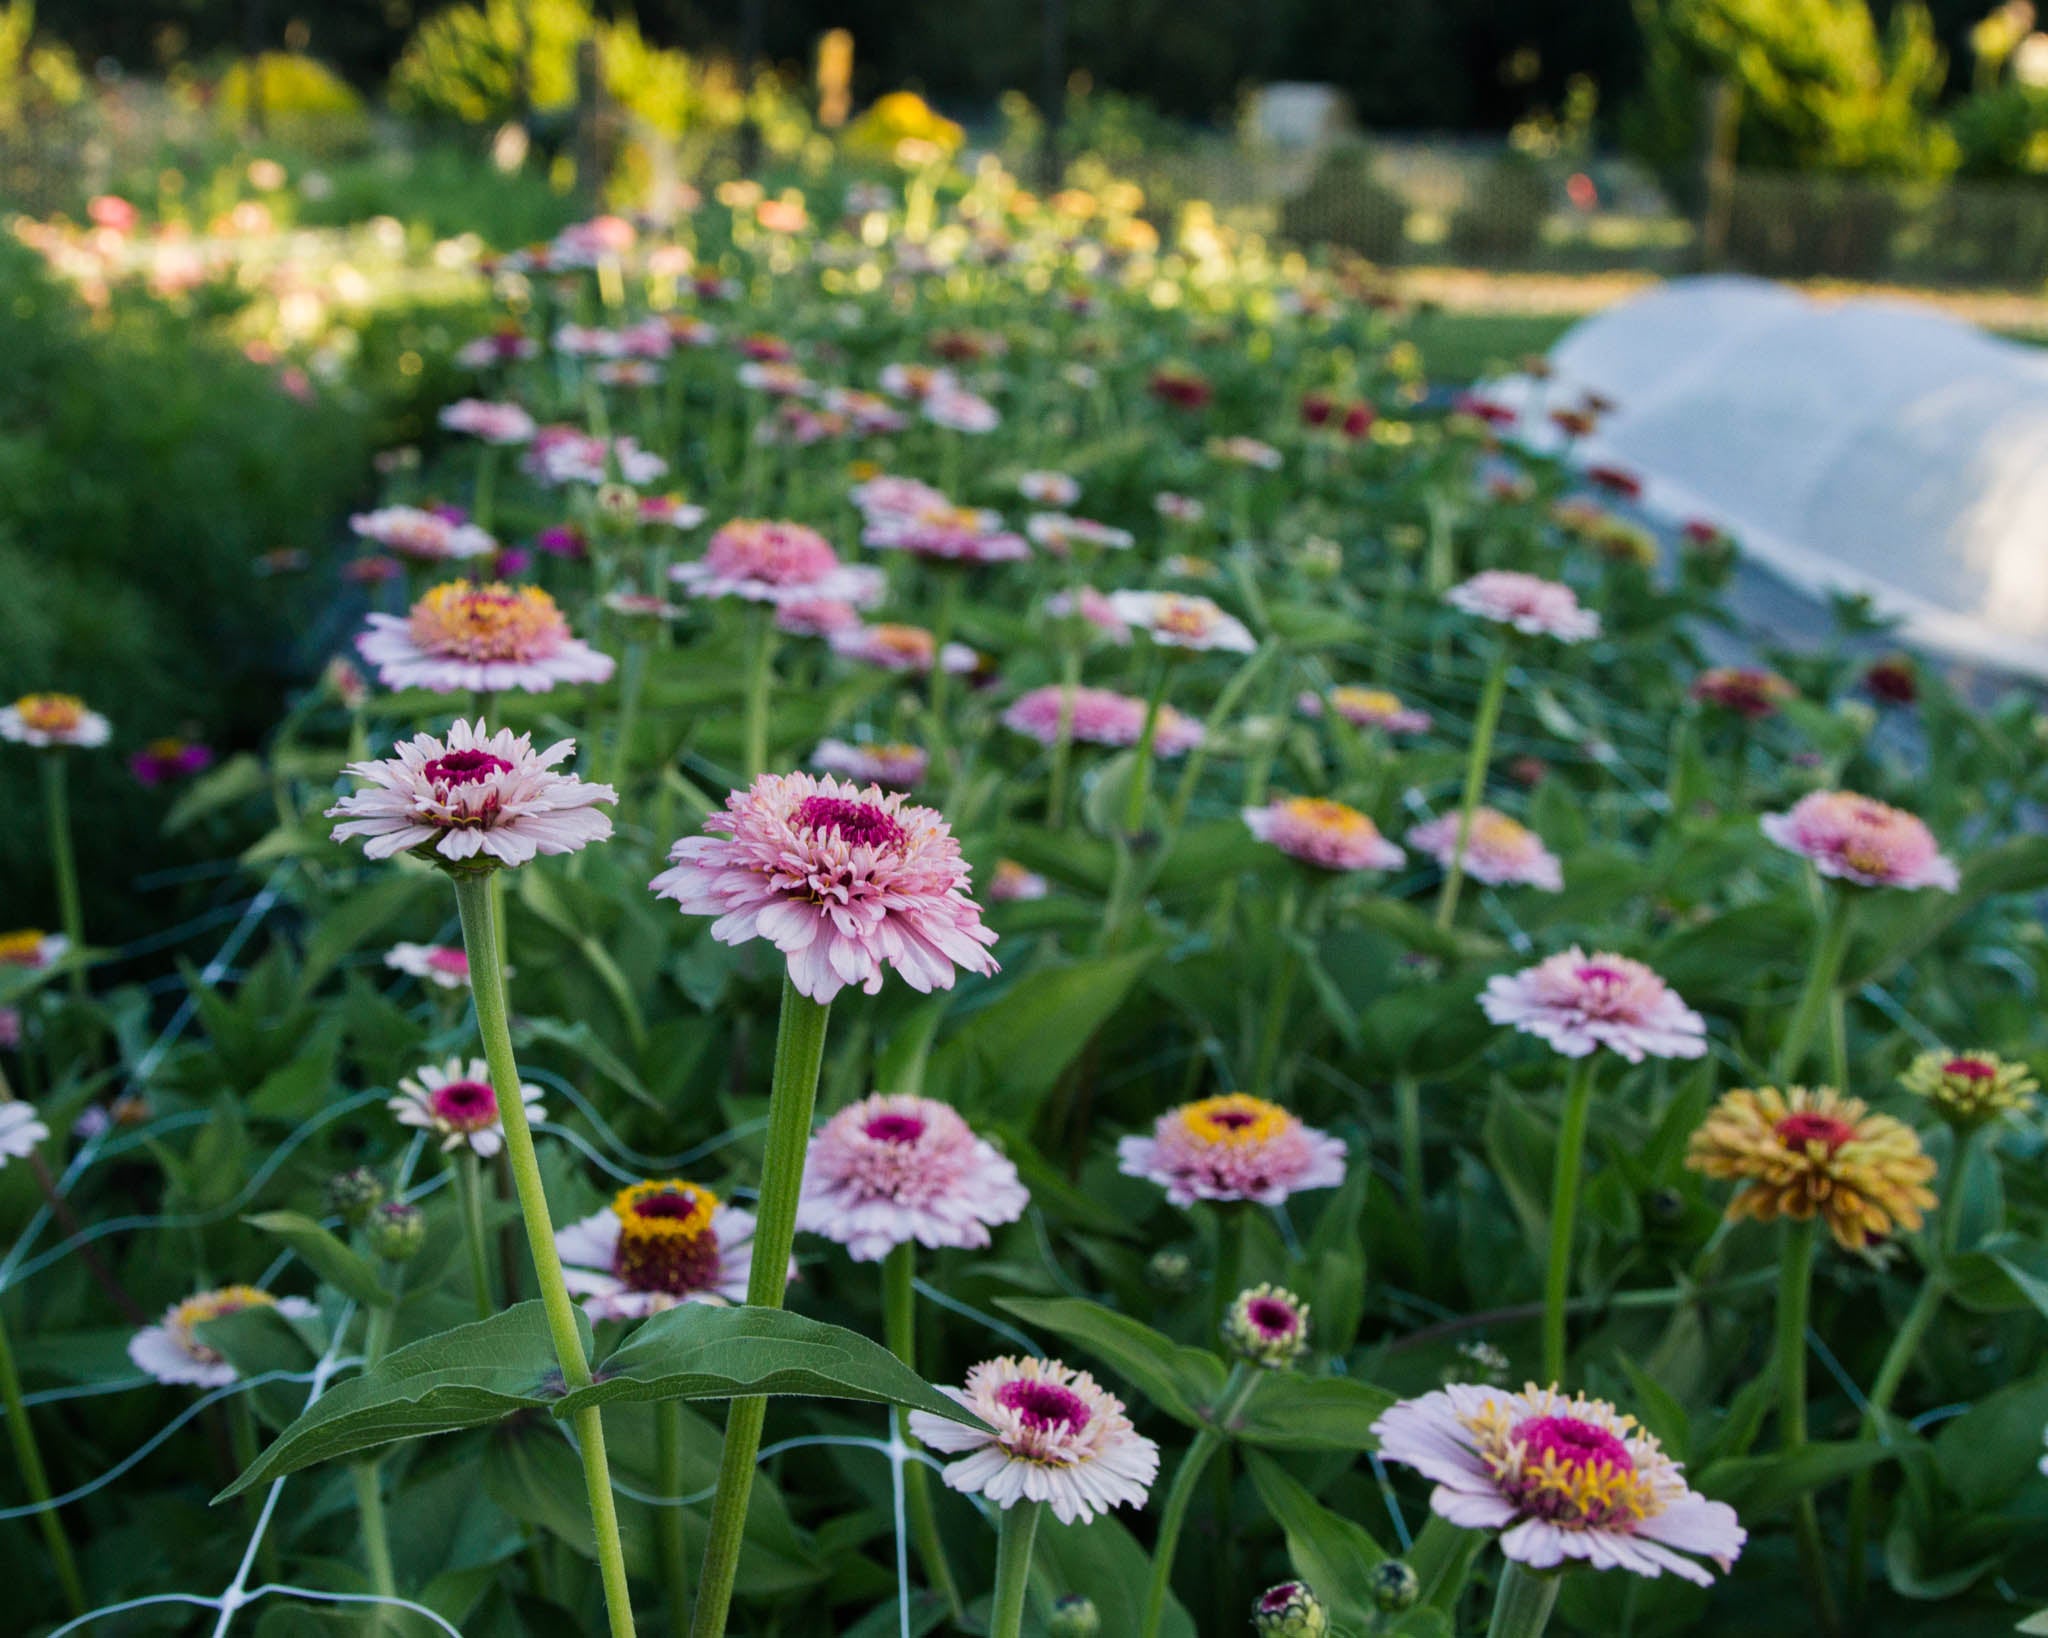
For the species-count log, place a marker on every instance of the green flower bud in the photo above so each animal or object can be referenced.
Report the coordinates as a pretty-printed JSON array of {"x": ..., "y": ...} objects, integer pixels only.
[
  {"x": 352, "y": 1195},
  {"x": 1074, "y": 1616},
  {"x": 1170, "y": 1270},
  {"x": 1290, "y": 1610},
  {"x": 1267, "y": 1326},
  {"x": 397, "y": 1231},
  {"x": 1395, "y": 1586}
]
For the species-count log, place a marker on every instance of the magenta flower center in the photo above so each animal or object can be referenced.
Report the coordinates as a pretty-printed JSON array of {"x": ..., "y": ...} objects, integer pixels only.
[
  {"x": 860, "y": 823},
  {"x": 1797, "y": 1131},
  {"x": 1233, "y": 1120},
  {"x": 1592, "y": 974},
  {"x": 1969, "y": 1069},
  {"x": 449, "y": 960},
  {"x": 1271, "y": 1317},
  {"x": 468, "y": 1106},
  {"x": 465, "y": 768},
  {"x": 1278, "y": 1598},
  {"x": 1043, "y": 1406},
  {"x": 894, "y": 1128},
  {"x": 674, "y": 1204},
  {"x": 666, "y": 1244},
  {"x": 1574, "y": 1443}
]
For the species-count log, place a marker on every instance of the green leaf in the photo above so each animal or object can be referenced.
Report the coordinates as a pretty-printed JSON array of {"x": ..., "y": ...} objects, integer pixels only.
[
  {"x": 346, "y": 923},
  {"x": 696, "y": 1351},
  {"x": 1992, "y": 1449},
  {"x": 1755, "y": 1485},
  {"x": 1521, "y": 1147},
  {"x": 465, "y": 1378},
  {"x": 1329, "y": 1552},
  {"x": 342, "y": 1268},
  {"x": 1102, "y": 1561},
  {"x": 1183, "y": 1382},
  {"x": 1889, "y": 936},
  {"x": 1313, "y": 1413}
]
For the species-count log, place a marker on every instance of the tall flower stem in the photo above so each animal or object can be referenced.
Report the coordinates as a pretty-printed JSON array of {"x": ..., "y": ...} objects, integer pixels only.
[
  {"x": 1564, "y": 1206},
  {"x": 799, "y": 1050},
  {"x": 1898, "y": 1359},
  {"x": 368, "y": 1476},
  {"x": 944, "y": 618},
  {"x": 486, "y": 486},
  {"x": 1063, "y": 742},
  {"x": 1823, "y": 973},
  {"x": 760, "y": 676},
  {"x": 1273, "y": 1033},
  {"x": 1140, "y": 785},
  {"x": 28, "y": 1457},
  {"x": 1013, "y": 1568},
  {"x": 899, "y": 1323},
  {"x": 1491, "y": 693},
  {"x": 1408, "y": 1119},
  {"x": 1232, "y": 1219},
  {"x": 632, "y": 678},
  {"x": 1795, "y": 1295},
  {"x": 1522, "y": 1606},
  {"x": 668, "y": 1464},
  {"x": 470, "y": 1196},
  {"x": 1243, "y": 1380},
  {"x": 64, "y": 862},
  {"x": 478, "y": 906}
]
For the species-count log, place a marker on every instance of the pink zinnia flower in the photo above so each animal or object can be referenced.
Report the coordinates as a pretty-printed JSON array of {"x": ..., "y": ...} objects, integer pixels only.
[
  {"x": 889, "y": 496},
  {"x": 565, "y": 454},
  {"x": 499, "y": 347},
  {"x": 869, "y": 414},
  {"x": 1060, "y": 533},
  {"x": 949, "y": 533},
  {"x": 1178, "y": 508},
  {"x": 1325, "y": 833},
  {"x": 1499, "y": 851},
  {"x": 896, "y": 647},
  {"x": 776, "y": 378},
  {"x": 659, "y": 1243},
  {"x": 1094, "y": 608},
  {"x": 426, "y": 537},
  {"x": 1579, "y": 1003},
  {"x": 892, "y": 1169},
  {"x": 443, "y": 965},
  {"x": 1048, "y": 488},
  {"x": 492, "y": 422},
  {"x": 900, "y": 767},
  {"x": 672, "y": 510},
  {"x": 1012, "y": 883},
  {"x": 1099, "y": 716},
  {"x": 1246, "y": 452},
  {"x": 480, "y": 638},
  {"x": 917, "y": 381},
  {"x": 474, "y": 793},
  {"x": 766, "y": 561},
  {"x": 1178, "y": 620},
  {"x": 46, "y": 720},
  {"x": 163, "y": 760},
  {"x": 843, "y": 879},
  {"x": 815, "y": 616},
  {"x": 1058, "y": 1437},
  {"x": 1529, "y": 603},
  {"x": 1861, "y": 840},
  {"x": 1367, "y": 708},
  {"x": 1233, "y": 1147},
  {"x": 1561, "y": 1479},
  {"x": 958, "y": 410},
  {"x": 455, "y": 1101}
]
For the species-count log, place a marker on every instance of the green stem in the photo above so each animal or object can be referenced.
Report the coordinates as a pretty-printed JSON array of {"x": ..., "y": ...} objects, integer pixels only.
[
  {"x": 1491, "y": 694},
  {"x": 243, "y": 1441},
  {"x": 799, "y": 1050},
  {"x": 1231, "y": 1221},
  {"x": 668, "y": 1464},
  {"x": 1220, "y": 715},
  {"x": 1243, "y": 1380},
  {"x": 376, "y": 1536},
  {"x": 1063, "y": 743},
  {"x": 29, "y": 1457},
  {"x": 469, "y": 1195},
  {"x": 486, "y": 486},
  {"x": 760, "y": 675},
  {"x": 1408, "y": 1118},
  {"x": 1013, "y": 1569},
  {"x": 1564, "y": 1205},
  {"x": 1822, "y": 974},
  {"x": 899, "y": 1324},
  {"x": 1795, "y": 1293},
  {"x": 1898, "y": 1359},
  {"x": 632, "y": 674},
  {"x": 1140, "y": 786},
  {"x": 477, "y": 903},
  {"x": 64, "y": 862},
  {"x": 1279, "y": 997},
  {"x": 943, "y": 620},
  {"x": 1522, "y": 1606}
]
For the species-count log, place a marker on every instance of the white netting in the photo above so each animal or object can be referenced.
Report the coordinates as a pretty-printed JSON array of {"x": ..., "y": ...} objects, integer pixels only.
[{"x": 1866, "y": 446}]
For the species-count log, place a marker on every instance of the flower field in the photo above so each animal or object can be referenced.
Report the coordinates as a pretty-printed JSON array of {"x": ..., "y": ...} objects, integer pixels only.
[{"x": 981, "y": 927}]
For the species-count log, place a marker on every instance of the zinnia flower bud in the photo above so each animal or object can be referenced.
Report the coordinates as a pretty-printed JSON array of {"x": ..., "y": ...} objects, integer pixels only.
[
  {"x": 1267, "y": 1326},
  {"x": 1395, "y": 1586},
  {"x": 1074, "y": 1616},
  {"x": 397, "y": 1231},
  {"x": 354, "y": 1194},
  {"x": 1290, "y": 1610}
]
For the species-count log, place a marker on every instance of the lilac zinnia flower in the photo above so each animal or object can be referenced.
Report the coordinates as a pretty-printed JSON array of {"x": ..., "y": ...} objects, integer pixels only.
[
  {"x": 1579, "y": 1003},
  {"x": 474, "y": 793},
  {"x": 762, "y": 560},
  {"x": 492, "y": 423},
  {"x": 900, "y": 767},
  {"x": 463, "y": 637},
  {"x": 1861, "y": 840},
  {"x": 1561, "y": 1479},
  {"x": 1498, "y": 851},
  {"x": 892, "y": 1169},
  {"x": 1181, "y": 621},
  {"x": 1233, "y": 1147},
  {"x": 843, "y": 879},
  {"x": 163, "y": 760},
  {"x": 1054, "y": 1435},
  {"x": 1099, "y": 716},
  {"x": 426, "y": 537},
  {"x": 1529, "y": 603}
]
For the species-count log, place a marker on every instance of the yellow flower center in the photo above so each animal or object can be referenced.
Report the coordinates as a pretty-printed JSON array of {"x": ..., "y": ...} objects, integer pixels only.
[
  {"x": 213, "y": 1305},
  {"x": 1570, "y": 1464},
  {"x": 1491, "y": 830},
  {"x": 666, "y": 1242},
  {"x": 1235, "y": 1120},
  {"x": 489, "y": 622},
  {"x": 1333, "y": 817},
  {"x": 23, "y": 948},
  {"x": 1192, "y": 617},
  {"x": 912, "y": 643},
  {"x": 1366, "y": 702},
  {"x": 51, "y": 713}
]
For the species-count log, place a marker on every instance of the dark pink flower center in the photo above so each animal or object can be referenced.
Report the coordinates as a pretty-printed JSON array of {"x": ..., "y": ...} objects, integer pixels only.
[
  {"x": 1797, "y": 1131},
  {"x": 1271, "y": 1317},
  {"x": 1232, "y": 1120},
  {"x": 1041, "y": 1405},
  {"x": 464, "y": 1104},
  {"x": 465, "y": 768},
  {"x": 895, "y": 1128},
  {"x": 1594, "y": 974},
  {"x": 1278, "y": 1598},
  {"x": 1574, "y": 1443},
  {"x": 861, "y": 823},
  {"x": 1968, "y": 1069},
  {"x": 446, "y": 959},
  {"x": 674, "y": 1203}
]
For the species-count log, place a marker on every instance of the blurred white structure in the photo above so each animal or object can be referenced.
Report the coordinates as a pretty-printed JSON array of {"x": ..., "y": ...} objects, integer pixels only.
[
  {"x": 1300, "y": 114},
  {"x": 1865, "y": 446}
]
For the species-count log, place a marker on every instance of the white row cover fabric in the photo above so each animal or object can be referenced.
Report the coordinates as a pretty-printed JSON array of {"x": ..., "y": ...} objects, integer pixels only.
[{"x": 1857, "y": 445}]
